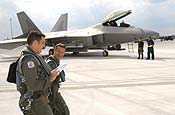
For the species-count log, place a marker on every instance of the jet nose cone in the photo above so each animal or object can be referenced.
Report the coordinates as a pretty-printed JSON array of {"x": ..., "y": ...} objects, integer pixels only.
[{"x": 150, "y": 33}]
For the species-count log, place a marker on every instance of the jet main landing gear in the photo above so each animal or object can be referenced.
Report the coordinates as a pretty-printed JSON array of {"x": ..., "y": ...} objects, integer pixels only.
[
  {"x": 51, "y": 51},
  {"x": 105, "y": 53}
]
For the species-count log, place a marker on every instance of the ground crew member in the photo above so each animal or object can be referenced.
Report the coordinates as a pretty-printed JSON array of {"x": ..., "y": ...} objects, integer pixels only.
[
  {"x": 57, "y": 103},
  {"x": 36, "y": 77},
  {"x": 140, "y": 49},
  {"x": 150, "y": 48}
]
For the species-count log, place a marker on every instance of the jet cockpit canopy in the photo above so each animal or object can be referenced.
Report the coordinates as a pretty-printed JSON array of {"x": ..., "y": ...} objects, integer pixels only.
[{"x": 114, "y": 16}]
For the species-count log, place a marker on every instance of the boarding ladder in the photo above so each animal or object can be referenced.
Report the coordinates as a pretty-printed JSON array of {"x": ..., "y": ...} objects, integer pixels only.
[{"x": 130, "y": 47}]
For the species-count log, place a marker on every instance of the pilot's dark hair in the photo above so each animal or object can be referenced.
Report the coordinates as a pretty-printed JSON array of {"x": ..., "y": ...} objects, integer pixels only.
[
  {"x": 34, "y": 35},
  {"x": 59, "y": 45}
]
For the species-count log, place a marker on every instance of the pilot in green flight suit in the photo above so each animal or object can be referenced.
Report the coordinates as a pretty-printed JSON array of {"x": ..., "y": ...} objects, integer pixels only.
[
  {"x": 36, "y": 77},
  {"x": 57, "y": 103}
]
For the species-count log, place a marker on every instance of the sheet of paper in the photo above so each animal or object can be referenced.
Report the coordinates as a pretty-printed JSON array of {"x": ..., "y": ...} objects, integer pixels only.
[{"x": 61, "y": 67}]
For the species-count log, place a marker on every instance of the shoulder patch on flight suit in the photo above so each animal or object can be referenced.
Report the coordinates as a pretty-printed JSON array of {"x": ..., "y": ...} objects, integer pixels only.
[{"x": 30, "y": 64}]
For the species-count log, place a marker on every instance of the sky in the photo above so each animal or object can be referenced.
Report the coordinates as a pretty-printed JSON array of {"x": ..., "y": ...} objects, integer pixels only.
[{"x": 157, "y": 15}]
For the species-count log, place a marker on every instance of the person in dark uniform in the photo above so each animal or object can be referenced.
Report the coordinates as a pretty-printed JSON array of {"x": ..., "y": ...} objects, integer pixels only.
[
  {"x": 113, "y": 23},
  {"x": 35, "y": 77},
  {"x": 57, "y": 103},
  {"x": 140, "y": 49},
  {"x": 150, "y": 48},
  {"x": 123, "y": 24}
]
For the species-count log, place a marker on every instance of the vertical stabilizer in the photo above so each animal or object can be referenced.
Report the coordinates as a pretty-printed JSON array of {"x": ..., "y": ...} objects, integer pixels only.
[
  {"x": 26, "y": 23},
  {"x": 61, "y": 24}
]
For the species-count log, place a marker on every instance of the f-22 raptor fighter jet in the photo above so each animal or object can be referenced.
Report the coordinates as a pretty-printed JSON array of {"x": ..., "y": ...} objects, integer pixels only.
[{"x": 106, "y": 33}]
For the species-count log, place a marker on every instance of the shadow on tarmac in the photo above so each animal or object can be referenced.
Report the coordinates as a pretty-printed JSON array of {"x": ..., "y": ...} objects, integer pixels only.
[{"x": 88, "y": 55}]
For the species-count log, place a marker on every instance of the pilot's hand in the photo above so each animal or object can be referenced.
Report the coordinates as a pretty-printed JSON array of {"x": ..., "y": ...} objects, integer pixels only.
[
  {"x": 46, "y": 100},
  {"x": 54, "y": 74}
]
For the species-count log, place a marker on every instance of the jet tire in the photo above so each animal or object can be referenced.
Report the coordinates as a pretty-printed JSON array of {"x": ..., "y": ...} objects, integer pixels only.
[
  {"x": 51, "y": 52},
  {"x": 105, "y": 53}
]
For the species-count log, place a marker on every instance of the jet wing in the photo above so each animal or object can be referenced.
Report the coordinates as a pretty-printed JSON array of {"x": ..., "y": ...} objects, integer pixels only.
[
  {"x": 13, "y": 43},
  {"x": 54, "y": 36},
  {"x": 116, "y": 15},
  {"x": 74, "y": 33}
]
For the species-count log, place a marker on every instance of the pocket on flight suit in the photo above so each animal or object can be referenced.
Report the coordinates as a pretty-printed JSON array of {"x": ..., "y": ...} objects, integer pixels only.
[
  {"x": 40, "y": 107},
  {"x": 23, "y": 103}
]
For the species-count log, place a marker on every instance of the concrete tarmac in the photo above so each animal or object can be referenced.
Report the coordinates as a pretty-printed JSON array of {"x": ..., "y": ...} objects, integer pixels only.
[{"x": 119, "y": 84}]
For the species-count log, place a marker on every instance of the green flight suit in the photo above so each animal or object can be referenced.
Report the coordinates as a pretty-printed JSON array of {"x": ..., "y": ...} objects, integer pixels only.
[
  {"x": 37, "y": 82},
  {"x": 57, "y": 103}
]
